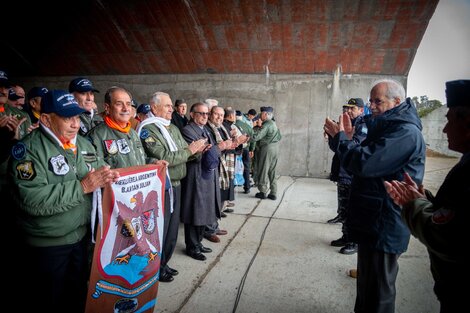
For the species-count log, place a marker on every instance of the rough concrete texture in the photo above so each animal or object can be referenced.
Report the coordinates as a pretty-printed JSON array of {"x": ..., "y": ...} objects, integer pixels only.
[
  {"x": 433, "y": 124},
  {"x": 301, "y": 104},
  {"x": 277, "y": 258}
]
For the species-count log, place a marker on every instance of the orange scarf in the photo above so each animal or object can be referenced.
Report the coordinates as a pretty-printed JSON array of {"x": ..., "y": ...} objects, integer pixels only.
[
  {"x": 70, "y": 146},
  {"x": 114, "y": 125},
  {"x": 2, "y": 109},
  {"x": 36, "y": 114}
]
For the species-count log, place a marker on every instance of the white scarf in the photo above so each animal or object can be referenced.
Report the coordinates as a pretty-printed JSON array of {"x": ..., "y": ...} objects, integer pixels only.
[{"x": 161, "y": 123}]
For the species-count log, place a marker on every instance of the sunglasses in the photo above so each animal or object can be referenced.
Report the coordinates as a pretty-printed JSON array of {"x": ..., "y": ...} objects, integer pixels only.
[{"x": 202, "y": 113}]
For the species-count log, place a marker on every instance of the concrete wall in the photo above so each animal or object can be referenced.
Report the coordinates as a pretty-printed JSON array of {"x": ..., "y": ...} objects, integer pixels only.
[
  {"x": 301, "y": 103},
  {"x": 436, "y": 140}
]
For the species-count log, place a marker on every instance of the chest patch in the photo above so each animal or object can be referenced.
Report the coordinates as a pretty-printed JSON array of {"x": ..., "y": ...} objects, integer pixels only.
[
  {"x": 111, "y": 146},
  {"x": 59, "y": 165},
  {"x": 144, "y": 134},
  {"x": 83, "y": 128},
  {"x": 123, "y": 146}
]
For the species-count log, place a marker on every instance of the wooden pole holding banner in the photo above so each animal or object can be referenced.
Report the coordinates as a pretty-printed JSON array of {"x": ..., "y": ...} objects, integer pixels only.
[{"x": 126, "y": 260}]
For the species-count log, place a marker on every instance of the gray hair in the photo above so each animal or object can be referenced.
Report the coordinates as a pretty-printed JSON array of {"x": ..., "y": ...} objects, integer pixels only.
[
  {"x": 394, "y": 89},
  {"x": 156, "y": 97},
  {"x": 211, "y": 103},
  {"x": 269, "y": 115}
]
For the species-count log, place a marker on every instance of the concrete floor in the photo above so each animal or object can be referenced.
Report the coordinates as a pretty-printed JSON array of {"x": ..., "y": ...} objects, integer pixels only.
[{"x": 277, "y": 258}]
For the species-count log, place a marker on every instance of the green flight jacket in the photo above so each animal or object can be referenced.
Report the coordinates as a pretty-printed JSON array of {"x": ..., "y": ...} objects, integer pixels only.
[
  {"x": 87, "y": 122},
  {"x": 156, "y": 146},
  {"x": 266, "y": 134},
  {"x": 118, "y": 149},
  {"x": 52, "y": 208},
  {"x": 248, "y": 130}
]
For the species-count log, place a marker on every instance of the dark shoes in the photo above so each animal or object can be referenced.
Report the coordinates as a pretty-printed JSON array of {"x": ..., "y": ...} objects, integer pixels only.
[
  {"x": 222, "y": 214},
  {"x": 260, "y": 195},
  {"x": 165, "y": 277},
  {"x": 197, "y": 255},
  {"x": 205, "y": 249},
  {"x": 341, "y": 242},
  {"x": 272, "y": 197},
  {"x": 337, "y": 219},
  {"x": 212, "y": 238},
  {"x": 246, "y": 191},
  {"x": 349, "y": 248},
  {"x": 228, "y": 210},
  {"x": 172, "y": 271}
]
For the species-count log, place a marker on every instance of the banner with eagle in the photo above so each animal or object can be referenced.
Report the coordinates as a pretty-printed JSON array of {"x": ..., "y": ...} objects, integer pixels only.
[{"x": 126, "y": 260}]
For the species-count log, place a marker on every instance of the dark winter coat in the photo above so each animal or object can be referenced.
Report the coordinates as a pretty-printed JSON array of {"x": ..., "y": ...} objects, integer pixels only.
[{"x": 394, "y": 145}]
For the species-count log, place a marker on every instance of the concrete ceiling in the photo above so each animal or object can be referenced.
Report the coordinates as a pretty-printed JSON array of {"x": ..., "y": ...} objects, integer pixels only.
[{"x": 106, "y": 37}]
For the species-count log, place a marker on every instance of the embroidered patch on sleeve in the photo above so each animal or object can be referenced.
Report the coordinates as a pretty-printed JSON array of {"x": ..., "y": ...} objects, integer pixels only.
[
  {"x": 144, "y": 134},
  {"x": 442, "y": 216},
  {"x": 25, "y": 170},
  {"x": 18, "y": 151}
]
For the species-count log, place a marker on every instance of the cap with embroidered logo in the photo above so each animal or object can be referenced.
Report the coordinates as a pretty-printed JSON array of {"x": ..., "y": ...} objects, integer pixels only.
[
  {"x": 355, "y": 102},
  {"x": 13, "y": 96},
  {"x": 36, "y": 92},
  {"x": 266, "y": 109},
  {"x": 4, "y": 82},
  {"x": 61, "y": 103},
  {"x": 81, "y": 84},
  {"x": 143, "y": 108}
]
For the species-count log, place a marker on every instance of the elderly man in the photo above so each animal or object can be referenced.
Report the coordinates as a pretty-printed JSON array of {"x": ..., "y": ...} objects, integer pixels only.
[
  {"x": 373, "y": 219},
  {"x": 200, "y": 193},
  {"x": 441, "y": 222},
  {"x": 163, "y": 140},
  {"x": 54, "y": 173},
  {"x": 178, "y": 117},
  {"x": 33, "y": 103},
  {"x": 84, "y": 92},
  {"x": 266, "y": 136}
]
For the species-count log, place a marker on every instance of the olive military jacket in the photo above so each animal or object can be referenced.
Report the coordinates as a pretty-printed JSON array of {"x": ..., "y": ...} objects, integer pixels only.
[
  {"x": 118, "y": 149},
  {"x": 156, "y": 146},
  {"x": 52, "y": 208}
]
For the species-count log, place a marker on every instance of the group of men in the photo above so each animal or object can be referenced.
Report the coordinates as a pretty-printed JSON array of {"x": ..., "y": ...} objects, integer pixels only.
[
  {"x": 55, "y": 169},
  {"x": 384, "y": 199}
]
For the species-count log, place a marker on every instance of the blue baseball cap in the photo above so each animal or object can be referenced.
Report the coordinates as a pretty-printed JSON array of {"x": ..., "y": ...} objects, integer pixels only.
[
  {"x": 209, "y": 162},
  {"x": 4, "y": 82},
  {"x": 143, "y": 108},
  {"x": 13, "y": 96},
  {"x": 36, "y": 92},
  {"x": 81, "y": 84},
  {"x": 61, "y": 103}
]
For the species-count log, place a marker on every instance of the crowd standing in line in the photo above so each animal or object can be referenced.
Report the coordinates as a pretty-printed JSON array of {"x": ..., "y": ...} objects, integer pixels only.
[{"x": 42, "y": 141}]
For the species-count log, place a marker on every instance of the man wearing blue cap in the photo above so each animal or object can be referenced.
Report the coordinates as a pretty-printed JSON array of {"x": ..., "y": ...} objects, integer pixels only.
[
  {"x": 84, "y": 92},
  {"x": 441, "y": 222},
  {"x": 33, "y": 103},
  {"x": 267, "y": 137},
  {"x": 54, "y": 173}
]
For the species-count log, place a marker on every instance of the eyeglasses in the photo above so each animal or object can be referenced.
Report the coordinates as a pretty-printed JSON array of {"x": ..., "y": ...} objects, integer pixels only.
[
  {"x": 203, "y": 113},
  {"x": 376, "y": 101}
]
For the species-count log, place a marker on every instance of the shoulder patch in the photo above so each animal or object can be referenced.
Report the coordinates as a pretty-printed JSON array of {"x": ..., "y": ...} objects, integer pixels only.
[
  {"x": 25, "y": 170},
  {"x": 18, "y": 151},
  {"x": 144, "y": 134},
  {"x": 442, "y": 216}
]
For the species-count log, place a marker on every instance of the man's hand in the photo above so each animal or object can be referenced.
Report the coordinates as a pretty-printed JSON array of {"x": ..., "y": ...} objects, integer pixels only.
[
  {"x": 197, "y": 146},
  {"x": 161, "y": 162},
  {"x": 331, "y": 127},
  {"x": 98, "y": 178},
  {"x": 345, "y": 124},
  {"x": 404, "y": 191}
]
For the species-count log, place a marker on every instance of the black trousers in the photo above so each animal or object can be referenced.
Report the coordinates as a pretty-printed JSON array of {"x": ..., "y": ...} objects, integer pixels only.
[
  {"x": 193, "y": 237},
  {"x": 246, "y": 168},
  {"x": 171, "y": 222},
  {"x": 376, "y": 275},
  {"x": 58, "y": 277}
]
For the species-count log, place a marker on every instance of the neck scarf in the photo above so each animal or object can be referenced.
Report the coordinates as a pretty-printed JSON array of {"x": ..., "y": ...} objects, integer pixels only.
[
  {"x": 70, "y": 145},
  {"x": 112, "y": 124}
]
